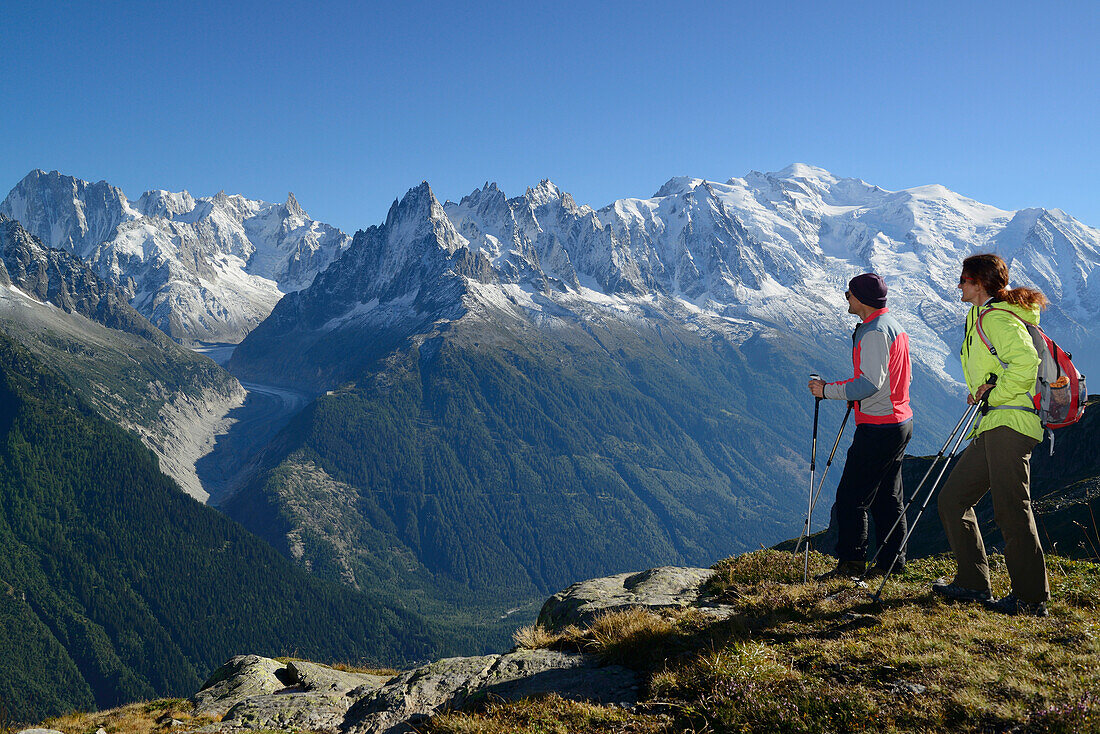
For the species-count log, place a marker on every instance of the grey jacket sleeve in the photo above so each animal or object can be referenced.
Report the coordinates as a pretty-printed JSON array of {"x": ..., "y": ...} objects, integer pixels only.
[{"x": 874, "y": 361}]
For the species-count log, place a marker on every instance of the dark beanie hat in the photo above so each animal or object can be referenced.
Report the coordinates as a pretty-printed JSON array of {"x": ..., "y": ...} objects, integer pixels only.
[{"x": 869, "y": 289}]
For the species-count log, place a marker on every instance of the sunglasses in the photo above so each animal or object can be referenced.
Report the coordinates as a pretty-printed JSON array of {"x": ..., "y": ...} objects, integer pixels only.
[{"x": 967, "y": 279}]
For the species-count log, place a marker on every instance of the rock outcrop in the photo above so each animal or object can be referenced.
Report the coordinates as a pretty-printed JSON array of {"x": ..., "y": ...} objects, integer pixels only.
[{"x": 250, "y": 692}]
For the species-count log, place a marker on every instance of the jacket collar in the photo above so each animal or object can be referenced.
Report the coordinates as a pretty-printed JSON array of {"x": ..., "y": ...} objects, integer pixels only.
[{"x": 875, "y": 314}]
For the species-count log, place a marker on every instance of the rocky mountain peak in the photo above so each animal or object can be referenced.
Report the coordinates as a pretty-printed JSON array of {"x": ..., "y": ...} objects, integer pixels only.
[
  {"x": 543, "y": 194},
  {"x": 419, "y": 216},
  {"x": 490, "y": 192},
  {"x": 292, "y": 207},
  {"x": 209, "y": 268},
  {"x": 66, "y": 212},
  {"x": 677, "y": 185}
]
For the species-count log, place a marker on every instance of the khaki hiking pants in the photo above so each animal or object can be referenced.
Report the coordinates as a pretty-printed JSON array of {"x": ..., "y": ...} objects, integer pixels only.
[{"x": 997, "y": 461}]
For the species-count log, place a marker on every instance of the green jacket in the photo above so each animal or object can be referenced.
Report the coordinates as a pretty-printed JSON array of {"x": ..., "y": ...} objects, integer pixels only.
[{"x": 1014, "y": 384}]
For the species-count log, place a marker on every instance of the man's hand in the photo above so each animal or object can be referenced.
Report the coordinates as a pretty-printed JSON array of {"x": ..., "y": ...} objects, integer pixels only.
[
  {"x": 817, "y": 388},
  {"x": 977, "y": 396}
]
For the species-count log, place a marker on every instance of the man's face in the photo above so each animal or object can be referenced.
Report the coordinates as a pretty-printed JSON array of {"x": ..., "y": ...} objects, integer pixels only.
[{"x": 852, "y": 301}]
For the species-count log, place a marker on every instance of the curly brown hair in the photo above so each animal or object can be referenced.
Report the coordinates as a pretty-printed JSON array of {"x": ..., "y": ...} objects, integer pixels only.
[{"x": 991, "y": 271}]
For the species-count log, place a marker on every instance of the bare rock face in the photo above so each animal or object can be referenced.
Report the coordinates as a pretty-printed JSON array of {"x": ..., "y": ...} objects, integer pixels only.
[
  {"x": 458, "y": 682},
  {"x": 667, "y": 587}
]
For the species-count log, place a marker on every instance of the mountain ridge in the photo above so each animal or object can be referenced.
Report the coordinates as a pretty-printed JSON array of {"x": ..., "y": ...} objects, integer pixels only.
[{"x": 206, "y": 269}]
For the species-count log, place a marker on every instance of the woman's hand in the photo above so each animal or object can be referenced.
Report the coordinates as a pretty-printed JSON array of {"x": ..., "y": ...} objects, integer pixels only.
[{"x": 977, "y": 396}]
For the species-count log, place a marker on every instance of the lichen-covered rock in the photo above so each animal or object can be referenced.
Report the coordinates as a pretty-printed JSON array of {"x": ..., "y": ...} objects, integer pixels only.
[
  {"x": 323, "y": 679},
  {"x": 241, "y": 677},
  {"x": 456, "y": 682},
  {"x": 321, "y": 712},
  {"x": 40, "y": 731},
  {"x": 667, "y": 587}
]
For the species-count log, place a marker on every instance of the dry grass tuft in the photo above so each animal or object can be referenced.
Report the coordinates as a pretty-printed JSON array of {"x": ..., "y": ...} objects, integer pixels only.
[
  {"x": 635, "y": 637},
  {"x": 345, "y": 667},
  {"x": 627, "y": 628},
  {"x": 534, "y": 637},
  {"x": 352, "y": 668},
  {"x": 151, "y": 717}
]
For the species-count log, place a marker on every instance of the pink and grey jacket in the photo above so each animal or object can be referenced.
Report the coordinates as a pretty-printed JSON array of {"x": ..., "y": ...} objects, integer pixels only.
[{"x": 880, "y": 387}]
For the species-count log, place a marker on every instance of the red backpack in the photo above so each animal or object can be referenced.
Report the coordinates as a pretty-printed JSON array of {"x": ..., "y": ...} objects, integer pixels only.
[{"x": 1059, "y": 394}]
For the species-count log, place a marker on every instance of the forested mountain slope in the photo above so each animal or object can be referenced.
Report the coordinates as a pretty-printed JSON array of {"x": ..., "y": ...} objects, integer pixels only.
[{"x": 116, "y": 586}]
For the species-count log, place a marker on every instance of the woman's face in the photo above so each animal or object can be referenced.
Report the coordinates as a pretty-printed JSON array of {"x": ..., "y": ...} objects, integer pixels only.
[{"x": 971, "y": 290}]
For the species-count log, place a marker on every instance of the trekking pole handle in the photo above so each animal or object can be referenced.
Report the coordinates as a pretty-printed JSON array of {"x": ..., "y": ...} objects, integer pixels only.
[{"x": 983, "y": 401}]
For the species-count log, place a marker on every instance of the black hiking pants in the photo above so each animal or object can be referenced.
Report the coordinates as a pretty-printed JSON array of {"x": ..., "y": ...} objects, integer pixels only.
[{"x": 872, "y": 483}]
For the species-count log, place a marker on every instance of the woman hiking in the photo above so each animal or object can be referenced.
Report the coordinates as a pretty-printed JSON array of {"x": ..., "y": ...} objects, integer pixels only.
[{"x": 998, "y": 459}]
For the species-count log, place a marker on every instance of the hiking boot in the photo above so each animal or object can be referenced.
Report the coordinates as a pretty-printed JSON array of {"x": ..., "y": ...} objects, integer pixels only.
[
  {"x": 1011, "y": 604},
  {"x": 844, "y": 570},
  {"x": 950, "y": 590},
  {"x": 877, "y": 571}
]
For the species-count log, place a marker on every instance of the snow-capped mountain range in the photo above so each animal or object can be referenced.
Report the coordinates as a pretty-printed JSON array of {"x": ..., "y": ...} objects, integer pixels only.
[
  {"x": 771, "y": 249},
  {"x": 206, "y": 269},
  {"x": 767, "y": 251}
]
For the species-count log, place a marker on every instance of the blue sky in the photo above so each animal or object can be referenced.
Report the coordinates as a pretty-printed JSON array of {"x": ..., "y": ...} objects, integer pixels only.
[{"x": 351, "y": 104}]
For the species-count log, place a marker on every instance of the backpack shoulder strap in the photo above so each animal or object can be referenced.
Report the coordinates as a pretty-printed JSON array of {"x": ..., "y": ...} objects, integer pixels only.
[{"x": 985, "y": 339}]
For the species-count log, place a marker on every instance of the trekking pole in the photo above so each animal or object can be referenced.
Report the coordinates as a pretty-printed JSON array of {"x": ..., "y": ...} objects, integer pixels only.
[
  {"x": 810, "y": 494},
  {"x": 973, "y": 413},
  {"x": 913, "y": 497},
  {"x": 821, "y": 482}
]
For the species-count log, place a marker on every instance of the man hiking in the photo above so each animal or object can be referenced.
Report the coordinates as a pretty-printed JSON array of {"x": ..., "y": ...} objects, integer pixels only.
[{"x": 871, "y": 481}]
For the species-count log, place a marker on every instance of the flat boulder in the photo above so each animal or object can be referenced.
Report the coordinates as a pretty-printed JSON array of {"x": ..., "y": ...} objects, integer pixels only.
[
  {"x": 454, "y": 683},
  {"x": 667, "y": 587}
]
